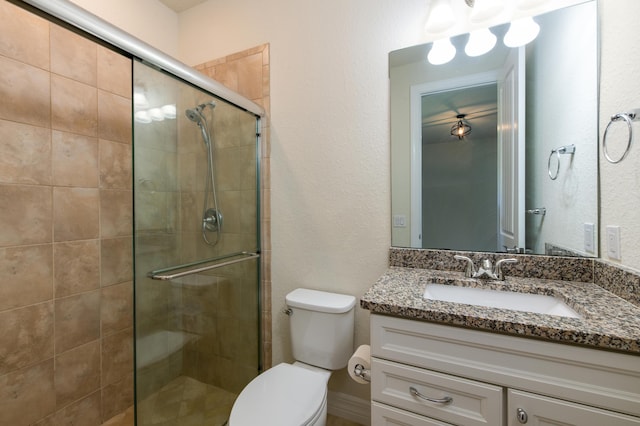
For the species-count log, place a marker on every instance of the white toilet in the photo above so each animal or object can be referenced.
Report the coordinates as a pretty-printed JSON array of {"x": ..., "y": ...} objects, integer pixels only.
[{"x": 295, "y": 394}]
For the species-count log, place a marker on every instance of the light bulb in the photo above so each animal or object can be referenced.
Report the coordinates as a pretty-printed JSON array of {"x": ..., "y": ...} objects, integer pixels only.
[
  {"x": 169, "y": 111},
  {"x": 484, "y": 10},
  {"x": 521, "y": 32},
  {"x": 142, "y": 117},
  {"x": 440, "y": 18},
  {"x": 529, "y": 4},
  {"x": 480, "y": 42},
  {"x": 441, "y": 52},
  {"x": 140, "y": 100},
  {"x": 156, "y": 114}
]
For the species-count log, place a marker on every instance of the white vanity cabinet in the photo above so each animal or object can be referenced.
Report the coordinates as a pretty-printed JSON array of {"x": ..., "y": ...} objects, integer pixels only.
[{"x": 494, "y": 379}]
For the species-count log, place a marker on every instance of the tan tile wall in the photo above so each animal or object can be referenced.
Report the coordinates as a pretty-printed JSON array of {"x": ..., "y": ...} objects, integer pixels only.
[
  {"x": 66, "y": 328},
  {"x": 248, "y": 73}
]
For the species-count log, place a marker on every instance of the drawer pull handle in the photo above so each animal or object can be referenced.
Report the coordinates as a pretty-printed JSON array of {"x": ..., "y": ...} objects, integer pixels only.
[{"x": 445, "y": 400}]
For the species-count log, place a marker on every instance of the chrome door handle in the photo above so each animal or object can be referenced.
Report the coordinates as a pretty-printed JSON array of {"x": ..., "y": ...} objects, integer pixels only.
[{"x": 445, "y": 400}]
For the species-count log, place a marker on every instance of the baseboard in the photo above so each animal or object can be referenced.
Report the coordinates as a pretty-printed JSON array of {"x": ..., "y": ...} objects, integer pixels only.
[{"x": 349, "y": 407}]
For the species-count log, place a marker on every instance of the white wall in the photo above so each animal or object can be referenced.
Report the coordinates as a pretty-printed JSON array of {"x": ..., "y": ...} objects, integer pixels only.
[
  {"x": 148, "y": 20},
  {"x": 620, "y": 91}
]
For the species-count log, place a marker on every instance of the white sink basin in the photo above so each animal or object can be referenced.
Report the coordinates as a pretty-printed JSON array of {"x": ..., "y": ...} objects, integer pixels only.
[{"x": 525, "y": 302}]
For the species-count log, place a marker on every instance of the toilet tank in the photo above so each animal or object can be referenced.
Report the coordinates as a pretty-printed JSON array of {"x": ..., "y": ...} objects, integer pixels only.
[{"x": 321, "y": 326}]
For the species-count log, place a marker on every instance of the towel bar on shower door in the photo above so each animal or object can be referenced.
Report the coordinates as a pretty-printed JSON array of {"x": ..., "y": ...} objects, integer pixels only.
[{"x": 159, "y": 274}]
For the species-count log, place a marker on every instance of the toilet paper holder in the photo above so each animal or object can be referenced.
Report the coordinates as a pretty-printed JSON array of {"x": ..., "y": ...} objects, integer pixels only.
[{"x": 362, "y": 372}]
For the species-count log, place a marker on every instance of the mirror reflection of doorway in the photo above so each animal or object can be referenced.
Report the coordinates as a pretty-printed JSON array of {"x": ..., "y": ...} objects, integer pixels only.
[{"x": 461, "y": 174}]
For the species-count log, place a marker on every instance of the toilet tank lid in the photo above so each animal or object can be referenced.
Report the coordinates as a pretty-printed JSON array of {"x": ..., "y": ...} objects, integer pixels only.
[{"x": 320, "y": 301}]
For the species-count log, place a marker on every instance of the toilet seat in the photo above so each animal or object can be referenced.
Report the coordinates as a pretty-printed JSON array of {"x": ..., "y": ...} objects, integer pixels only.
[{"x": 285, "y": 395}]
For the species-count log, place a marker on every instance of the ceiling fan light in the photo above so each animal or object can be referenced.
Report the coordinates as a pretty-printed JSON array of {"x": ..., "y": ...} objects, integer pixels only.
[
  {"x": 480, "y": 42},
  {"x": 521, "y": 32},
  {"x": 441, "y": 52}
]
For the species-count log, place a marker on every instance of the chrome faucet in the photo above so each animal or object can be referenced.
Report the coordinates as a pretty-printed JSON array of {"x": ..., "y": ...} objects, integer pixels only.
[{"x": 486, "y": 269}]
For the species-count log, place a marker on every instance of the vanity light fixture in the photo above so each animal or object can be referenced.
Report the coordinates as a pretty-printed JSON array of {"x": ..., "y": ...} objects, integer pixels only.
[
  {"x": 460, "y": 129},
  {"x": 521, "y": 31},
  {"x": 440, "y": 18},
  {"x": 480, "y": 42},
  {"x": 441, "y": 52}
]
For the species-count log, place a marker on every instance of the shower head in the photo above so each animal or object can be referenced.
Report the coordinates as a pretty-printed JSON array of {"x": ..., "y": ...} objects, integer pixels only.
[{"x": 195, "y": 114}]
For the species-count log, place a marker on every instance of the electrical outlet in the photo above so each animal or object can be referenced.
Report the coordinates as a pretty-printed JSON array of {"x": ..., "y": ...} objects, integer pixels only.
[
  {"x": 589, "y": 237},
  {"x": 399, "y": 221},
  {"x": 613, "y": 242}
]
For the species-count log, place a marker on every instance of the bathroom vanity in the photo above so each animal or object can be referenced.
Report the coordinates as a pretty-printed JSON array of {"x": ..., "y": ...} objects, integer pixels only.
[{"x": 441, "y": 363}]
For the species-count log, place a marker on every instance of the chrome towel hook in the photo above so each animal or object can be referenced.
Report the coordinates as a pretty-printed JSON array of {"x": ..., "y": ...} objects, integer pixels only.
[
  {"x": 567, "y": 149},
  {"x": 629, "y": 117}
]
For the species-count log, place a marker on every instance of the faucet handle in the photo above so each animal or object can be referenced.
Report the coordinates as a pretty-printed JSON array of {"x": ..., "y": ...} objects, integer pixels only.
[
  {"x": 498, "y": 267},
  {"x": 470, "y": 270}
]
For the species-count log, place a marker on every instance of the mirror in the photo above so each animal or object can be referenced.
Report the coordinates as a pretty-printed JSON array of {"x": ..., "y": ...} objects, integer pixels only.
[{"x": 525, "y": 179}]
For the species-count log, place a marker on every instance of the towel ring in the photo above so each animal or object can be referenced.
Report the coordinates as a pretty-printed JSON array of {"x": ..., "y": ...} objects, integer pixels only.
[
  {"x": 567, "y": 149},
  {"x": 628, "y": 117}
]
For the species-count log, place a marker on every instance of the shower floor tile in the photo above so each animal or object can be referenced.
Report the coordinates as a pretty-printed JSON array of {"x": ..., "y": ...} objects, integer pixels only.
[{"x": 183, "y": 402}]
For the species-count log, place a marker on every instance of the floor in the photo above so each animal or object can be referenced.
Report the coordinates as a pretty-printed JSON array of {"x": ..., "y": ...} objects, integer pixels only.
[{"x": 188, "y": 402}]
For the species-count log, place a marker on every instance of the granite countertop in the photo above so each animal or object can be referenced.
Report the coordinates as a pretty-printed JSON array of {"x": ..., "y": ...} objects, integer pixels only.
[{"x": 608, "y": 321}]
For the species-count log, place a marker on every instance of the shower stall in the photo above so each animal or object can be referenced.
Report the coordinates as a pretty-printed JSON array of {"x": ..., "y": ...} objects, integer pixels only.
[{"x": 196, "y": 250}]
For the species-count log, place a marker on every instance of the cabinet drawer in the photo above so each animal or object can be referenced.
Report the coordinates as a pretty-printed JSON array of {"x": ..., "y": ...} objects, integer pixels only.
[
  {"x": 384, "y": 415},
  {"x": 473, "y": 403},
  {"x": 540, "y": 410}
]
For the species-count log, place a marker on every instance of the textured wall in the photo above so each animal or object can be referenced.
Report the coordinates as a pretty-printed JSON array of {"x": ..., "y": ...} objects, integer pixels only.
[
  {"x": 149, "y": 20},
  {"x": 620, "y": 183}
]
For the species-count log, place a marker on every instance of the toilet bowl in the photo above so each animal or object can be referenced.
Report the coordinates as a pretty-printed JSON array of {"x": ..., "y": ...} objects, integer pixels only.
[
  {"x": 321, "y": 326},
  {"x": 285, "y": 395}
]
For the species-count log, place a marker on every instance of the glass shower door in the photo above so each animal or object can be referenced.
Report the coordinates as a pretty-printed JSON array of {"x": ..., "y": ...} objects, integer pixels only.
[{"x": 196, "y": 241}]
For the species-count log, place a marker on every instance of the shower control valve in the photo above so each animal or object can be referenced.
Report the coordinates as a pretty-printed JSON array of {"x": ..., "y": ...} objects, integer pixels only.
[{"x": 212, "y": 220}]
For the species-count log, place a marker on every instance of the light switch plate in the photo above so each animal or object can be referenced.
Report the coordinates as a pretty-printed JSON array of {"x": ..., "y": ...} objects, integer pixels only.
[
  {"x": 589, "y": 237},
  {"x": 613, "y": 242},
  {"x": 399, "y": 221}
]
